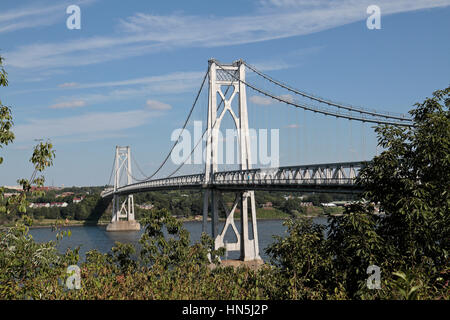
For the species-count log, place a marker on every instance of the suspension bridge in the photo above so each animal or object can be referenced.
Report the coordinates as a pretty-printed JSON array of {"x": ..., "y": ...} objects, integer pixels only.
[{"x": 227, "y": 94}]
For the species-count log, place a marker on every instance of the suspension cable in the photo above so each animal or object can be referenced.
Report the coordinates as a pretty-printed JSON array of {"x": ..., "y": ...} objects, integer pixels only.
[
  {"x": 137, "y": 165},
  {"x": 375, "y": 113},
  {"x": 112, "y": 169},
  {"x": 319, "y": 109},
  {"x": 181, "y": 132}
]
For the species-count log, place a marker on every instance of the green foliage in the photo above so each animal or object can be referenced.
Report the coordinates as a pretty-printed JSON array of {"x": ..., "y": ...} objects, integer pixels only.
[
  {"x": 6, "y": 122},
  {"x": 175, "y": 249},
  {"x": 411, "y": 181},
  {"x": 42, "y": 157},
  {"x": 355, "y": 245},
  {"x": 121, "y": 255},
  {"x": 405, "y": 285},
  {"x": 26, "y": 264},
  {"x": 302, "y": 261}
]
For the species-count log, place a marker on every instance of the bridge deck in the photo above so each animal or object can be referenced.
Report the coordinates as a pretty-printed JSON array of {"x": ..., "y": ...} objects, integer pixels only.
[{"x": 331, "y": 177}]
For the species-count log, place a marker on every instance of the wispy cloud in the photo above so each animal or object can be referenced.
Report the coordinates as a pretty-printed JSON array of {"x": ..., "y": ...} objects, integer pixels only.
[
  {"x": 157, "y": 105},
  {"x": 261, "y": 101},
  {"x": 147, "y": 33},
  {"x": 118, "y": 94},
  {"x": 161, "y": 79},
  {"x": 68, "y": 85},
  {"x": 266, "y": 101},
  {"x": 30, "y": 17},
  {"x": 69, "y": 104},
  {"x": 81, "y": 127},
  {"x": 171, "y": 83}
]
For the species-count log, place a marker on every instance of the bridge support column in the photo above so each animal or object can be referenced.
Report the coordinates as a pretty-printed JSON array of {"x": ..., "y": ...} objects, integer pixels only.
[
  {"x": 122, "y": 212},
  {"x": 212, "y": 196},
  {"x": 248, "y": 248},
  {"x": 219, "y": 78}
]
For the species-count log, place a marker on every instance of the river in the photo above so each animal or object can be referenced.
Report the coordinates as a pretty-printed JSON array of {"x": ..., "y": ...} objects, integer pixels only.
[{"x": 96, "y": 237}]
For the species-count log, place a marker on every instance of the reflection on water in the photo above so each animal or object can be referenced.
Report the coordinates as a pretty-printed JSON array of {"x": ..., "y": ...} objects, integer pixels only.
[{"x": 96, "y": 237}]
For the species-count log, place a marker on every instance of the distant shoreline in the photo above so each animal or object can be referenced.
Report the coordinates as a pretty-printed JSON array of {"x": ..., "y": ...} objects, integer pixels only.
[{"x": 49, "y": 223}]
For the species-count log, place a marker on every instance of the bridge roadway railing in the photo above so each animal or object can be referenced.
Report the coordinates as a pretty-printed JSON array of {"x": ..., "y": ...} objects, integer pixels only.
[
  {"x": 320, "y": 177},
  {"x": 188, "y": 181},
  {"x": 338, "y": 177}
]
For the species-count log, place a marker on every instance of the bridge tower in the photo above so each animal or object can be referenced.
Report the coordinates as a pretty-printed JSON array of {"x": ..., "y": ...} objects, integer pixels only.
[
  {"x": 122, "y": 212},
  {"x": 221, "y": 77}
]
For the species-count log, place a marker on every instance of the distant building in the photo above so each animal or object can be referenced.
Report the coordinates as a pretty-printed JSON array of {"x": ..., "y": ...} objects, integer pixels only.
[
  {"x": 341, "y": 203},
  {"x": 59, "y": 204},
  {"x": 328, "y": 204},
  {"x": 39, "y": 205},
  {"x": 145, "y": 206},
  {"x": 48, "y": 205},
  {"x": 78, "y": 200},
  {"x": 267, "y": 205},
  {"x": 9, "y": 194},
  {"x": 306, "y": 204}
]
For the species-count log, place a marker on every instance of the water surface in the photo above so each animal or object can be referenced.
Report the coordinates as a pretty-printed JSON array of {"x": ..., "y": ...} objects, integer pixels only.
[{"x": 96, "y": 237}]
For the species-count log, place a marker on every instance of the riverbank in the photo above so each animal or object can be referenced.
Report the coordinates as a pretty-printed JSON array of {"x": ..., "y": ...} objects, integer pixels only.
[
  {"x": 261, "y": 213},
  {"x": 47, "y": 223}
]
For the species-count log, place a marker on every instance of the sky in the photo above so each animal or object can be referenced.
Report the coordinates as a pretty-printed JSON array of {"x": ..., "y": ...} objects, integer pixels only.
[{"x": 130, "y": 74}]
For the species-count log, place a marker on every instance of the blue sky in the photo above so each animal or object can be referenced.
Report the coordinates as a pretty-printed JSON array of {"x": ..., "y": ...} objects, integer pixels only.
[{"x": 130, "y": 74}]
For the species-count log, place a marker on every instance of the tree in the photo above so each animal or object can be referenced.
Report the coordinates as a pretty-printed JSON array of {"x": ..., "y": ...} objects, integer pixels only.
[
  {"x": 302, "y": 260},
  {"x": 81, "y": 213},
  {"x": 6, "y": 135},
  {"x": 319, "y": 198},
  {"x": 291, "y": 204},
  {"x": 41, "y": 158},
  {"x": 411, "y": 181}
]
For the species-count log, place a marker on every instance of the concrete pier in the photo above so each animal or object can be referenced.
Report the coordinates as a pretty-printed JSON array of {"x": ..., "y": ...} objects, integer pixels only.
[{"x": 132, "y": 225}]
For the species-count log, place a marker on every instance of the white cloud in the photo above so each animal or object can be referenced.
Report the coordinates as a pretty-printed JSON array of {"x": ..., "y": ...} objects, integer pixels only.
[
  {"x": 176, "y": 82},
  {"x": 166, "y": 78},
  {"x": 157, "y": 105},
  {"x": 286, "y": 97},
  {"x": 82, "y": 127},
  {"x": 149, "y": 33},
  {"x": 260, "y": 100},
  {"x": 29, "y": 17},
  {"x": 68, "y": 85},
  {"x": 266, "y": 101},
  {"x": 69, "y": 104}
]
